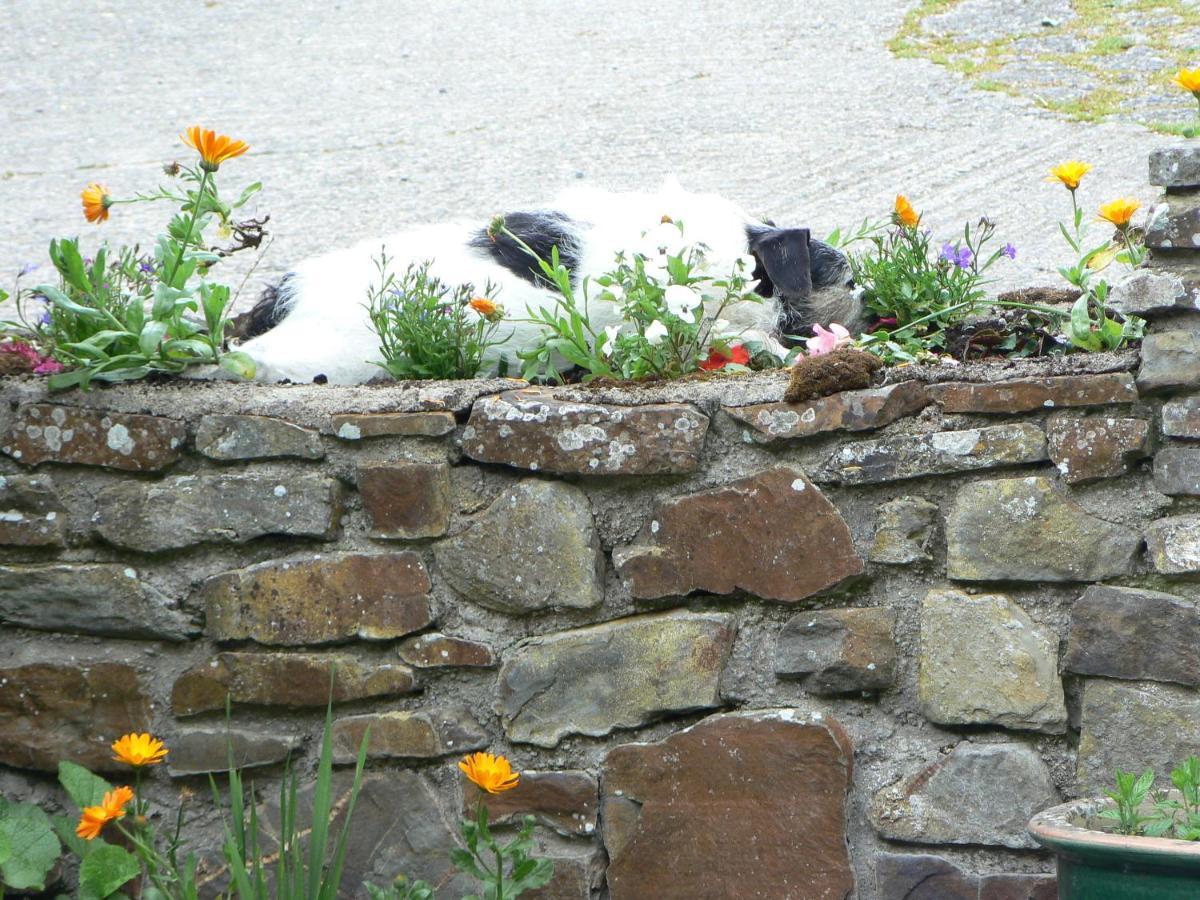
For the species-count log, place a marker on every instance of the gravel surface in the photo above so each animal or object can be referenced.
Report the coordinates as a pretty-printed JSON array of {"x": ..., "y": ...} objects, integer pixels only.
[{"x": 365, "y": 115}]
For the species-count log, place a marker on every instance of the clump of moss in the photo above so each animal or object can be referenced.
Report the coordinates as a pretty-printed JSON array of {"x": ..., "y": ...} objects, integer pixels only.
[{"x": 842, "y": 370}]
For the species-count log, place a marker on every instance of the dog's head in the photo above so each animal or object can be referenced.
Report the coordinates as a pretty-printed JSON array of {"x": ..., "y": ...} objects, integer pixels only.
[{"x": 811, "y": 280}]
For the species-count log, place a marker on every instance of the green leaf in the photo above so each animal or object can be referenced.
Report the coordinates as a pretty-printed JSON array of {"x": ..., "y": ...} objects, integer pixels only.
[
  {"x": 246, "y": 194},
  {"x": 32, "y": 847},
  {"x": 62, "y": 301},
  {"x": 151, "y": 336},
  {"x": 84, "y": 788},
  {"x": 65, "y": 829},
  {"x": 240, "y": 364},
  {"x": 104, "y": 870}
]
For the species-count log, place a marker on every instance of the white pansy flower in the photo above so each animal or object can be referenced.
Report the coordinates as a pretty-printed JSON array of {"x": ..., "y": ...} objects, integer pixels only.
[
  {"x": 610, "y": 337},
  {"x": 746, "y": 263},
  {"x": 681, "y": 300},
  {"x": 618, "y": 292},
  {"x": 666, "y": 237},
  {"x": 656, "y": 269},
  {"x": 656, "y": 332}
]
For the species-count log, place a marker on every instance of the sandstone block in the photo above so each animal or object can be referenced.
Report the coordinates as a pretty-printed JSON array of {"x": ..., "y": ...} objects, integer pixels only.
[
  {"x": 44, "y": 432},
  {"x": 846, "y": 411},
  {"x": 406, "y": 500},
  {"x": 441, "y": 651},
  {"x": 31, "y": 513},
  {"x": 903, "y": 531},
  {"x": 840, "y": 650},
  {"x": 1028, "y": 394},
  {"x": 425, "y": 733},
  {"x": 359, "y": 426},
  {"x": 1096, "y": 446}
]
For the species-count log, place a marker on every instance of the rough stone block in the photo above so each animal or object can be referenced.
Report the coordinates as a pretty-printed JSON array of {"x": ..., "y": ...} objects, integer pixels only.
[
  {"x": 1175, "y": 167},
  {"x": 359, "y": 426},
  {"x": 748, "y": 804},
  {"x": 1173, "y": 545},
  {"x": 903, "y": 530},
  {"x": 1177, "y": 226},
  {"x": 320, "y": 599},
  {"x": 618, "y": 674},
  {"x": 83, "y": 598},
  {"x": 442, "y": 651},
  {"x": 565, "y": 800},
  {"x": 425, "y": 733},
  {"x": 1146, "y": 293},
  {"x": 1170, "y": 360},
  {"x": 1177, "y": 471},
  {"x": 940, "y": 453},
  {"x": 532, "y": 430},
  {"x": 31, "y": 513},
  {"x": 847, "y": 411},
  {"x": 1181, "y": 417},
  {"x": 202, "y": 751},
  {"x": 406, "y": 500},
  {"x": 44, "y": 432},
  {"x": 1094, "y": 447},
  {"x": 230, "y": 509},
  {"x": 292, "y": 680},
  {"x": 55, "y": 711},
  {"x": 774, "y": 535},
  {"x": 978, "y": 794},
  {"x": 840, "y": 650},
  {"x": 917, "y": 876},
  {"x": 983, "y": 661},
  {"x": 993, "y": 525},
  {"x": 255, "y": 437},
  {"x": 1028, "y": 394}
]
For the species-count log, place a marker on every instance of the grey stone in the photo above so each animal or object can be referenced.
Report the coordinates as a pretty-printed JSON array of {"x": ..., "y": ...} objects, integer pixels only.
[
  {"x": 1134, "y": 634},
  {"x": 255, "y": 437},
  {"x": 943, "y": 452},
  {"x": 619, "y": 674},
  {"x": 1014, "y": 395},
  {"x": 45, "y": 432},
  {"x": 201, "y": 751},
  {"x": 1146, "y": 293},
  {"x": 840, "y": 650},
  {"x": 844, "y": 411},
  {"x": 978, "y": 794},
  {"x": 1177, "y": 471},
  {"x": 83, "y": 598},
  {"x": 31, "y": 513},
  {"x": 1133, "y": 726},
  {"x": 994, "y": 524},
  {"x": 903, "y": 530},
  {"x": 534, "y": 548},
  {"x": 1181, "y": 417},
  {"x": 194, "y": 509},
  {"x": 425, "y": 733},
  {"x": 1175, "y": 167},
  {"x": 1170, "y": 359},
  {"x": 1175, "y": 225},
  {"x": 918, "y": 876},
  {"x": 359, "y": 426},
  {"x": 983, "y": 661},
  {"x": 1093, "y": 447},
  {"x": 1173, "y": 545}
]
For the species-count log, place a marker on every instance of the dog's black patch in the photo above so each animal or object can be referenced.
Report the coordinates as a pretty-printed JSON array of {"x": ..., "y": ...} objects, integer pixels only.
[
  {"x": 829, "y": 265},
  {"x": 263, "y": 315},
  {"x": 541, "y": 231}
]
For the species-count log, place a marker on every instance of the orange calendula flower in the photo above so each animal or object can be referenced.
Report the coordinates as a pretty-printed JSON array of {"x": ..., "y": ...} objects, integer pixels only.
[
  {"x": 1189, "y": 80},
  {"x": 905, "y": 214},
  {"x": 139, "y": 750},
  {"x": 492, "y": 773},
  {"x": 1119, "y": 212},
  {"x": 485, "y": 307},
  {"x": 1070, "y": 173},
  {"x": 96, "y": 201},
  {"x": 94, "y": 818},
  {"x": 214, "y": 148}
]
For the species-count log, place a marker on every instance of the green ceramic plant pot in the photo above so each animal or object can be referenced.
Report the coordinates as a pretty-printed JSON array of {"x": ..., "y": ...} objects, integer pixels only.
[{"x": 1096, "y": 865}]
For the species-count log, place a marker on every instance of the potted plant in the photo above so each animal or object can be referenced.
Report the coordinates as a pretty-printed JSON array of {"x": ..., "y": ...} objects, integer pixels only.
[{"x": 1138, "y": 843}]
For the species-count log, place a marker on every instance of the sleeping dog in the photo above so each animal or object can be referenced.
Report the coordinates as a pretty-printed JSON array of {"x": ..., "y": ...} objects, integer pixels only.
[{"x": 314, "y": 322}]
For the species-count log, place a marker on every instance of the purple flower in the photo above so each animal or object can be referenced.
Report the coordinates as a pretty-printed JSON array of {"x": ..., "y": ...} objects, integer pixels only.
[
  {"x": 145, "y": 267},
  {"x": 1010, "y": 251},
  {"x": 44, "y": 317},
  {"x": 964, "y": 258},
  {"x": 949, "y": 252},
  {"x": 26, "y": 269}
]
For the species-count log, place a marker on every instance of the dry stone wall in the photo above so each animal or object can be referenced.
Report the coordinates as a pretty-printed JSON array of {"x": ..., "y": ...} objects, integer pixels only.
[{"x": 740, "y": 648}]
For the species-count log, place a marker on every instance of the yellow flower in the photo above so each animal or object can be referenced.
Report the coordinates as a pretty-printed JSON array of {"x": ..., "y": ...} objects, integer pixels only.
[
  {"x": 1189, "y": 80},
  {"x": 905, "y": 214},
  {"x": 96, "y": 201},
  {"x": 214, "y": 148},
  {"x": 1070, "y": 173},
  {"x": 94, "y": 818},
  {"x": 492, "y": 773},
  {"x": 484, "y": 306},
  {"x": 1119, "y": 212},
  {"x": 139, "y": 750}
]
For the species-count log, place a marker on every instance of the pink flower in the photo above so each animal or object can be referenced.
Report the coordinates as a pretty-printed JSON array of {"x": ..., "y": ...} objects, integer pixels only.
[
  {"x": 42, "y": 365},
  {"x": 827, "y": 340}
]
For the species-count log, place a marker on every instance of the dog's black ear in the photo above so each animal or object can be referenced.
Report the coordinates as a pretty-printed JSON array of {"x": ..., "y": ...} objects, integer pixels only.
[{"x": 784, "y": 264}]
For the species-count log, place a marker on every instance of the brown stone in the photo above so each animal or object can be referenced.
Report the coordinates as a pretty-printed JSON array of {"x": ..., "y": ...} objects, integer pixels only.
[
  {"x": 1093, "y": 447},
  {"x": 918, "y": 876},
  {"x": 358, "y": 426},
  {"x": 748, "y": 805},
  {"x": 44, "y": 432},
  {"x": 255, "y": 437},
  {"x": 419, "y": 734},
  {"x": 847, "y": 411},
  {"x": 31, "y": 514},
  {"x": 578, "y": 869},
  {"x": 320, "y": 599},
  {"x": 440, "y": 651},
  {"x": 840, "y": 650},
  {"x": 202, "y": 751},
  {"x": 563, "y": 800},
  {"x": 50, "y": 712},
  {"x": 284, "y": 679},
  {"x": 531, "y": 430},
  {"x": 406, "y": 500},
  {"x": 1025, "y": 394},
  {"x": 774, "y": 535},
  {"x": 1170, "y": 360}
]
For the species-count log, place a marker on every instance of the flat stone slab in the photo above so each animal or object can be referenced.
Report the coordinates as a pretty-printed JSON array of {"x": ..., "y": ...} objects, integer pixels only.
[
  {"x": 1173, "y": 545},
  {"x": 425, "y": 733},
  {"x": 1175, "y": 167},
  {"x": 839, "y": 650},
  {"x": 920, "y": 876},
  {"x": 406, "y": 500},
  {"x": 1027, "y": 394},
  {"x": 360, "y": 426},
  {"x": 765, "y": 792},
  {"x": 619, "y": 674},
  {"x": 1148, "y": 294},
  {"x": 566, "y": 800},
  {"x": 1181, "y": 417},
  {"x": 939, "y": 453},
  {"x": 773, "y": 535},
  {"x": 847, "y": 411},
  {"x": 1177, "y": 471},
  {"x": 532, "y": 430},
  {"x": 230, "y": 438},
  {"x": 31, "y": 512},
  {"x": 1170, "y": 360},
  {"x": 1094, "y": 447},
  {"x": 435, "y": 650},
  {"x": 978, "y": 794},
  {"x": 1177, "y": 227},
  {"x": 44, "y": 432},
  {"x": 203, "y": 751}
]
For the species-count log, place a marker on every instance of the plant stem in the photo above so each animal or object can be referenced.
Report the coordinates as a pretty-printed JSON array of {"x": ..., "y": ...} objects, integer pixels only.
[{"x": 191, "y": 224}]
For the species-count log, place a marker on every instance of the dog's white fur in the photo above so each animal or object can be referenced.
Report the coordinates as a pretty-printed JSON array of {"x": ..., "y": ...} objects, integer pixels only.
[{"x": 327, "y": 331}]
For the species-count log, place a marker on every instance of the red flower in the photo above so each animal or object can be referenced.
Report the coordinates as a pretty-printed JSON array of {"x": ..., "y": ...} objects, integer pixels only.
[{"x": 718, "y": 360}]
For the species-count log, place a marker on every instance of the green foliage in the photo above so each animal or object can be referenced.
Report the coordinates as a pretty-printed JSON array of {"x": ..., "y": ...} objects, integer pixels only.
[
  {"x": 105, "y": 870},
  {"x": 428, "y": 329},
  {"x": 401, "y": 889},
  {"x": 28, "y": 847},
  {"x": 1172, "y": 816},
  {"x": 504, "y": 870},
  {"x": 1131, "y": 793},
  {"x": 83, "y": 787},
  {"x": 1091, "y": 328}
]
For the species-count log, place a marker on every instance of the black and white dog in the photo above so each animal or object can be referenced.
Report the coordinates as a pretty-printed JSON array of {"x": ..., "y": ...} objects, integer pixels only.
[{"x": 314, "y": 322}]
